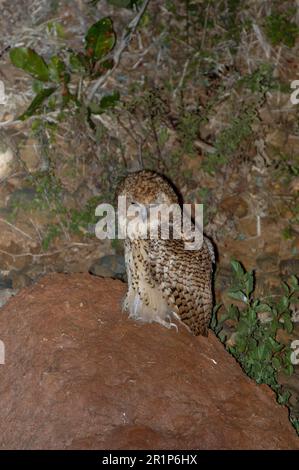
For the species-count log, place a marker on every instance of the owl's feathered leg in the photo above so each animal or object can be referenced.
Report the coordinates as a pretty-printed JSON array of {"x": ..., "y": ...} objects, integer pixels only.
[{"x": 136, "y": 308}]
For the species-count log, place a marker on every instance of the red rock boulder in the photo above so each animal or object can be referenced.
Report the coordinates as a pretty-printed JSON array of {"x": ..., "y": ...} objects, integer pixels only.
[{"x": 79, "y": 374}]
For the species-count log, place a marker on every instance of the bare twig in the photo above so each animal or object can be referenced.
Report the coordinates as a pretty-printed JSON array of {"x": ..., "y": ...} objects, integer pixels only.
[
  {"x": 36, "y": 229},
  {"x": 9, "y": 123},
  {"x": 262, "y": 41},
  {"x": 181, "y": 82},
  {"x": 205, "y": 27},
  {"x": 16, "y": 228},
  {"x": 22, "y": 173},
  {"x": 145, "y": 51},
  {"x": 200, "y": 144},
  {"x": 124, "y": 42},
  {"x": 50, "y": 116},
  {"x": 42, "y": 255}
]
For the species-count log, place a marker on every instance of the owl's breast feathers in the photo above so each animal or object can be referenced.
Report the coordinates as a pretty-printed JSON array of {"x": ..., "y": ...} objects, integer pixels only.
[{"x": 164, "y": 277}]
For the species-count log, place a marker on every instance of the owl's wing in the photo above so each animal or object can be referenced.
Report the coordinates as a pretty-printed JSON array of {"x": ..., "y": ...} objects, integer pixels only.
[{"x": 185, "y": 278}]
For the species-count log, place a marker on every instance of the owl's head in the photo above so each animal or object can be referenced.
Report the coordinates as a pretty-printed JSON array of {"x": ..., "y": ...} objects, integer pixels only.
[
  {"x": 145, "y": 191},
  {"x": 148, "y": 188}
]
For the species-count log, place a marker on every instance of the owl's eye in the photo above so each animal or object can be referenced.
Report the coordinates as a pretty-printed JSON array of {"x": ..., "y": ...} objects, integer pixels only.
[{"x": 133, "y": 205}]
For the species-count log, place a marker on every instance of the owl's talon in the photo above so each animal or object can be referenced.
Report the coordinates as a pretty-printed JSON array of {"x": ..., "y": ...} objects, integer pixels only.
[
  {"x": 170, "y": 323},
  {"x": 174, "y": 326},
  {"x": 167, "y": 324}
]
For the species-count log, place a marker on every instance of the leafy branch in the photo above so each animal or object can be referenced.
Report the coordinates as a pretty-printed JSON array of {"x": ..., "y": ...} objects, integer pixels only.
[
  {"x": 124, "y": 42},
  {"x": 256, "y": 340},
  {"x": 67, "y": 79}
]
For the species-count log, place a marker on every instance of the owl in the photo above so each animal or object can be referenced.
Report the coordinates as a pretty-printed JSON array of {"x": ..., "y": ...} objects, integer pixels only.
[{"x": 165, "y": 280}]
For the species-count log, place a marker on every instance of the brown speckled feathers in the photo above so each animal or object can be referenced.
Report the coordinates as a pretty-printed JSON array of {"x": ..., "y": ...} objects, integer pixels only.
[{"x": 164, "y": 278}]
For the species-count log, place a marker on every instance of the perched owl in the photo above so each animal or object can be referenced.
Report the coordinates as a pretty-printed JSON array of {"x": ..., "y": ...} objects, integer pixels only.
[{"x": 165, "y": 281}]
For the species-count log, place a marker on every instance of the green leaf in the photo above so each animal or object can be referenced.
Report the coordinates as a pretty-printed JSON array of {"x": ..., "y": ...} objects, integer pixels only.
[
  {"x": 287, "y": 323},
  {"x": 286, "y": 288},
  {"x": 276, "y": 363},
  {"x": 289, "y": 369},
  {"x": 108, "y": 101},
  {"x": 274, "y": 312},
  {"x": 57, "y": 70},
  {"x": 294, "y": 282},
  {"x": 37, "y": 102},
  {"x": 107, "y": 64},
  {"x": 79, "y": 62},
  {"x": 243, "y": 327},
  {"x": 275, "y": 346},
  {"x": 283, "y": 304},
  {"x": 225, "y": 316},
  {"x": 233, "y": 312},
  {"x": 248, "y": 277},
  {"x": 237, "y": 268},
  {"x": 121, "y": 3},
  {"x": 238, "y": 295},
  {"x": 284, "y": 397},
  {"x": 241, "y": 343},
  {"x": 252, "y": 316},
  {"x": 29, "y": 61},
  {"x": 273, "y": 326},
  {"x": 257, "y": 371},
  {"x": 263, "y": 352},
  {"x": 263, "y": 308},
  {"x": 252, "y": 344},
  {"x": 222, "y": 336},
  {"x": 37, "y": 86},
  {"x": 100, "y": 39},
  {"x": 280, "y": 29}
]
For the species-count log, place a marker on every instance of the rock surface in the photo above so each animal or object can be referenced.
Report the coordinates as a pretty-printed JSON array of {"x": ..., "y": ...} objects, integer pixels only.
[{"x": 79, "y": 374}]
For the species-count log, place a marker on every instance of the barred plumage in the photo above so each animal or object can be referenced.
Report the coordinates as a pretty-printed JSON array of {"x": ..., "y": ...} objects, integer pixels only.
[{"x": 165, "y": 280}]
